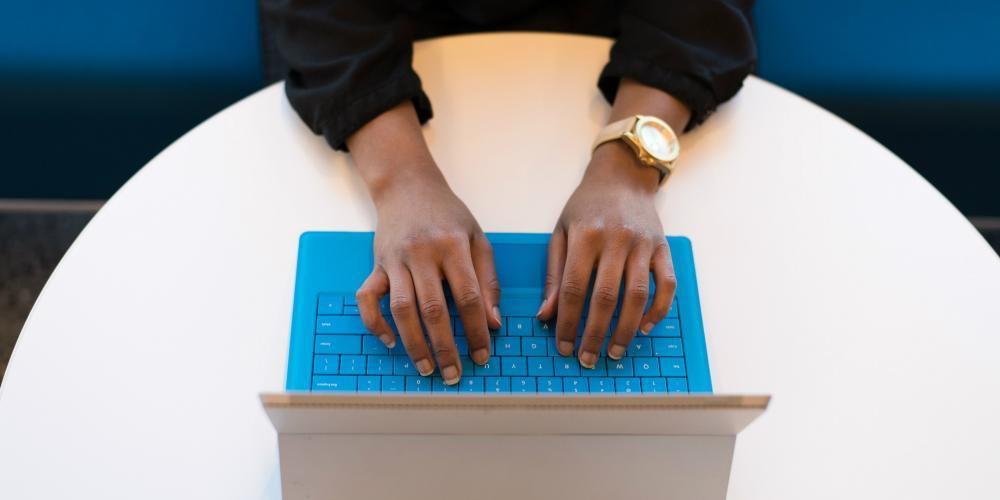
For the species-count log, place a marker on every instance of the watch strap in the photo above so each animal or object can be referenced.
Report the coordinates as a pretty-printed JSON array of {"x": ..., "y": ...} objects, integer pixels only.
[{"x": 615, "y": 130}]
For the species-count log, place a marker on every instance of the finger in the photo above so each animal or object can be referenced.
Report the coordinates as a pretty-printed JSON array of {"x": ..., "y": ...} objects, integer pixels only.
[
  {"x": 553, "y": 275},
  {"x": 603, "y": 301},
  {"x": 636, "y": 292},
  {"x": 489, "y": 283},
  {"x": 662, "y": 268},
  {"x": 434, "y": 312},
  {"x": 580, "y": 258},
  {"x": 403, "y": 304},
  {"x": 468, "y": 297},
  {"x": 368, "y": 296}
]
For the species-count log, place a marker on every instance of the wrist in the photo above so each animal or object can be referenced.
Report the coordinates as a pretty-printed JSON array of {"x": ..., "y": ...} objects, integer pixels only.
[
  {"x": 409, "y": 178},
  {"x": 615, "y": 165}
]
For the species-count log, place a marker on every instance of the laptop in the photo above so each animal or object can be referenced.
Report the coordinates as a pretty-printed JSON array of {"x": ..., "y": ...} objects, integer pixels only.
[{"x": 358, "y": 421}]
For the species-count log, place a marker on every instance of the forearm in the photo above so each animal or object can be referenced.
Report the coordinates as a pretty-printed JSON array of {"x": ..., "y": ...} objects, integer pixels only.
[
  {"x": 634, "y": 98},
  {"x": 390, "y": 151}
]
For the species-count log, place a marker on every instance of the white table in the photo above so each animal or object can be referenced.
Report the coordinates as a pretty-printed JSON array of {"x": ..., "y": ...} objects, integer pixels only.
[{"x": 832, "y": 276}]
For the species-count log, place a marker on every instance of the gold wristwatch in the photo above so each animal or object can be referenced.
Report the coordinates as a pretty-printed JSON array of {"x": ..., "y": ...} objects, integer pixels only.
[{"x": 653, "y": 141}]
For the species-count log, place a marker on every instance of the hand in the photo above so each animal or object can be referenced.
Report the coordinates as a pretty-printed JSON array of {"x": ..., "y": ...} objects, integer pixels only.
[
  {"x": 609, "y": 224},
  {"x": 426, "y": 234}
]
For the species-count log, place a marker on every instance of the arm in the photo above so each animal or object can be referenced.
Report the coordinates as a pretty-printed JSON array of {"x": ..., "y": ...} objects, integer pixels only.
[
  {"x": 676, "y": 60},
  {"x": 351, "y": 80}
]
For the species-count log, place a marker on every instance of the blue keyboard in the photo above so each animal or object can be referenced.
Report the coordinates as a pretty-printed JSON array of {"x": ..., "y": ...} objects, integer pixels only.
[
  {"x": 344, "y": 357},
  {"x": 347, "y": 358}
]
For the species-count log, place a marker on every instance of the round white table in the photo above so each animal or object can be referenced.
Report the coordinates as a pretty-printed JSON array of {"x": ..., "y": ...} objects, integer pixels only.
[{"x": 832, "y": 276}]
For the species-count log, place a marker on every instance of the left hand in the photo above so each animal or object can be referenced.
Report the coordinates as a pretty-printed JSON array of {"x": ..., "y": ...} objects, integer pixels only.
[{"x": 609, "y": 224}]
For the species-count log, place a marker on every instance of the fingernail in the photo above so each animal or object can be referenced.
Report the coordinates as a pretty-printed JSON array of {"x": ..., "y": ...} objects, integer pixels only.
[
  {"x": 588, "y": 359},
  {"x": 424, "y": 367},
  {"x": 450, "y": 375},
  {"x": 646, "y": 328},
  {"x": 496, "y": 314},
  {"x": 388, "y": 340},
  {"x": 565, "y": 347},
  {"x": 539, "y": 313},
  {"x": 616, "y": 352},
  {"x": 481, "y": 356}
]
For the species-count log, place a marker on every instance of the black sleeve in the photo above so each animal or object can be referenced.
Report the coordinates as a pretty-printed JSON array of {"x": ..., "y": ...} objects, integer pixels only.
[
  {"x": 697, "y": 51},
  {"x": 349, "y": 61}
]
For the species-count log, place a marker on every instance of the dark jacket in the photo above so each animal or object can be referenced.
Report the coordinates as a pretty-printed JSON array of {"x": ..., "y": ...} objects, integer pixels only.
[{"x": 350, "y": 60}]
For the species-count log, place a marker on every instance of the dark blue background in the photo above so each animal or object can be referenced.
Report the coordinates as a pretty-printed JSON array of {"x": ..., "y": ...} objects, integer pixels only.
[{"x": 90, "y": 91}]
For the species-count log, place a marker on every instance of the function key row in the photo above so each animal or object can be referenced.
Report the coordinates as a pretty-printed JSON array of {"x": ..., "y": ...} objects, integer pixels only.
[{"x": 485, "y": 385}]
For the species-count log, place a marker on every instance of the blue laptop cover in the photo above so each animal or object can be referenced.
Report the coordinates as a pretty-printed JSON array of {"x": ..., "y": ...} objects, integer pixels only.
[{"x": 330, "y": 350}]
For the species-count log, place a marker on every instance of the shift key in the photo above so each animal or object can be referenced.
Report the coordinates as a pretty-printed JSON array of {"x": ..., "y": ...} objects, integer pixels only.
[{"x": 335, "y": 325}]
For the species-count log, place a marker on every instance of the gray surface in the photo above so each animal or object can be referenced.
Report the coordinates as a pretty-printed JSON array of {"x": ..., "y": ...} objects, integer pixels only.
[{"x": 31, "y": 244}]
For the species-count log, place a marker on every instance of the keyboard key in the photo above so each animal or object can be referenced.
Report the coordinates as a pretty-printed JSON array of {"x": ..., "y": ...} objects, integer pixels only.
[
  {"x": 379, "y": 365},
  {"x": 549, "y": 384},
  {"x": 677, "y": 385},
  {"x": 401, "y": 365},
  {"x": 418, "y": 384},
  {"x": 668, "y": 347},
  {"x": 393, "y": 383},
  {"x": 602, "y": 384},
  {"x": 338, "y": 344},
  {"x": 567, "y": 367},
  {"x": 370, "y": 344},
  {"x": 438, "y": 385},
  {"x": 340, "y": 324},
  {"x": 351, "y": 310},
  {"x": 654, "y": 384},
  {"x": 544, "y": 328},
  {"x": 468, "y": 366},
  {"x": 339, "y": 383},
  {"x": 674, "y": 311},
  {"x": 350, "y": 299},
  {"x": 599, "y": 369},
  {"x": 399, "y": 349},
  {"x": 522, "y": 384},
  {"x": 540, "y": 367},
  {"x": 646, "y": 367},
  {"x": 627, "y": 385},
  {"x": 640, "y": 346},
  {"x": 508, "y": 346},
  {"x": 330, "y": 304},
  {"x": 470, "y": 384},
  {"x": 669, "y": 367},
  {"x": 326, "y": 364},
  {"x": 352, "y": 365},
  {"x": 666, "y": 328},
  {"x": 462, "y": 344},
  {"x": 369, "y": 384},
  {"x": 490, "y": 369},
  {"x": 550, "y": 347},
  {"x": 519, "y": 327},
  {"x": 497, "y": 384},
  {"x": 511, "y": 366},
  {"x": 533, "y": 346},
  {"x": 576, "y": 384},
  {"x": 620, "y": 368}
]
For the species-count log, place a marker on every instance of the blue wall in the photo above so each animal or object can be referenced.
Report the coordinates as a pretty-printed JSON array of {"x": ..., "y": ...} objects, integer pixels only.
[{"x": 91, "y": 90}]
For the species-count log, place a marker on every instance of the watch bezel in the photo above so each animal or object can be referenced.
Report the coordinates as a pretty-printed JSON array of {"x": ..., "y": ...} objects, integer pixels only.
[{"x": 672, "y": 139}]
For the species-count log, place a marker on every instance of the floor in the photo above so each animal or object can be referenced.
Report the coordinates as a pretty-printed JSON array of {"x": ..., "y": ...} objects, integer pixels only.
[{"x": 32, "y": 241}]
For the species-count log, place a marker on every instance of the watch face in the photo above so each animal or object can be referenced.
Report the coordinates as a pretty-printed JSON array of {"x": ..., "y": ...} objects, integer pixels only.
[{"x": 657, "y": 139}]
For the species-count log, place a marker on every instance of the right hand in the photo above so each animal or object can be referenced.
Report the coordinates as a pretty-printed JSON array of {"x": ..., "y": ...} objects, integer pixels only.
[{"x": 425, "y": 234}]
